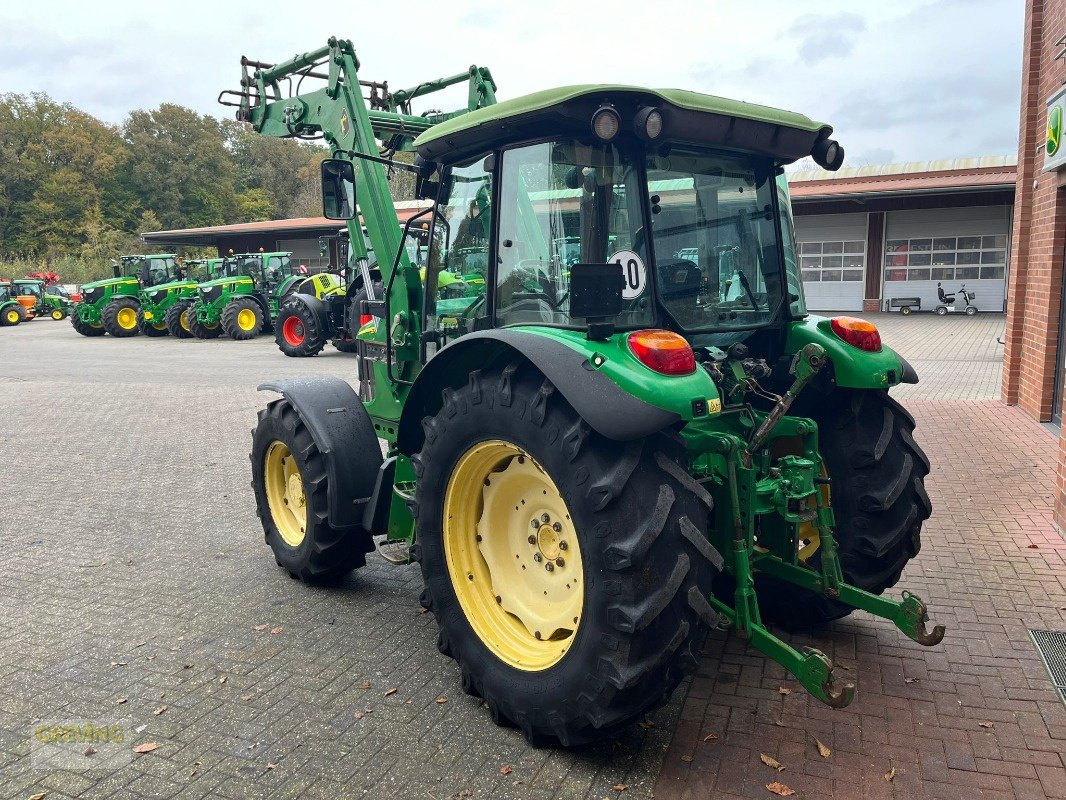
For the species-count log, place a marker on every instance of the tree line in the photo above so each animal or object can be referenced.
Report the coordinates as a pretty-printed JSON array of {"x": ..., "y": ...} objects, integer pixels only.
[{"x": 76, "y": 191}]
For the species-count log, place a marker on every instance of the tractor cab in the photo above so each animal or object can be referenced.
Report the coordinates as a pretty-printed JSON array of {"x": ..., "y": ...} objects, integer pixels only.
[
  {"x": 30, "y": 293},
  {"x": 268, "y": 271},
  {"x": 149, "y": 270}
]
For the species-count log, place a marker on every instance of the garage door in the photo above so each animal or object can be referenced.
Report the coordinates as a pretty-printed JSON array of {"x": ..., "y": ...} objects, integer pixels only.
[
  {"x": 832, "y": 249},
  {"x": 953, "y": 246},
  {"x": 306, "y": 252}
]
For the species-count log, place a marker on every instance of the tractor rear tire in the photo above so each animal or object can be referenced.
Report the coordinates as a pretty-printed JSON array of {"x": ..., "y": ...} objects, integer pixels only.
[
  {"x": 84, "y": 328},
  {"x": 199, "y": 329},
  {"x": 637, "y": 553},
  {"x": 13, "y": 315},
  {"x": 242, "y": 319},
  {"x": 179, "y": 328},
  {"x": 288, "y": 472},
  {"x": 150, "y": 327},
  {"x": 120, "y": 317},
  {"x": 878, "y": 497},
  {"x": 297, "y": 331}
]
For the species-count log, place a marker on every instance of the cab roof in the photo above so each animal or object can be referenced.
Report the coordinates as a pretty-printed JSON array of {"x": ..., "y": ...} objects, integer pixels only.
[{"x": 688, "y": 116}]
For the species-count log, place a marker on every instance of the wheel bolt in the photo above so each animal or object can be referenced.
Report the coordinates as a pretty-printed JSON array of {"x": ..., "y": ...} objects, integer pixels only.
[
  {"x": 499, "y": 599},
  {"x": 538, "y": 557},
  {"x": 537, "y": 634},
  {"x": 534, "y": 524},
  {"x": 563, "y": 545},
  {"x": 556, "y": 527},
  {"x": 559, "y": 562},
  {"x": 549, "y": 566},
  {"x": 478, "y": 537},
  {"x": 532, "y": 539},
  {"x": 545, "y": 518}
]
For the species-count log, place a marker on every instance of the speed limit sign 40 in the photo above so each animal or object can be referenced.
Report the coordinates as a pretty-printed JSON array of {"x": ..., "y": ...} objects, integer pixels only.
[{"x": 636, "y": 276}]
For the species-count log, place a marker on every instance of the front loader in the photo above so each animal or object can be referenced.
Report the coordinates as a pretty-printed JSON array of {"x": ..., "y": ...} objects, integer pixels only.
[
  {"x": 113, "y": 305},
  {"x": 636, "y": 433},
  {"x": 243, "y": 301}
]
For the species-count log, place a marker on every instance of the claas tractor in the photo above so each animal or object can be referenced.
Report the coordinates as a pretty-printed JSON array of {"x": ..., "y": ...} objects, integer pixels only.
[
  {"x": 609, "y": 452},
  {"x": 113, "y": 305},
  {"x": 243, "y": 300},
  {"x": 12, "y": 312}
]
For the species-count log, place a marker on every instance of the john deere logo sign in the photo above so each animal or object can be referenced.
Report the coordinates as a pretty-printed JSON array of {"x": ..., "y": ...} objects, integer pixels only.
[{"x": 1054, "y": 152}]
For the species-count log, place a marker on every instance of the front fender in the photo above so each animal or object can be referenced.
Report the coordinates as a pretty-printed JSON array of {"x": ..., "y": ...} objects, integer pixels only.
[
  {"x": 345, "y": 437},
  {"x": 852, "y": 368},
  {"x": 609, "y": 410},
  {"x": 315, "y": 306}
]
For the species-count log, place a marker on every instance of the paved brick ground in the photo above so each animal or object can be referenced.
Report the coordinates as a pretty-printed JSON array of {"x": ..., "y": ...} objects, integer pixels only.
[
  {"x": 974, "y": 717},
  {"x": 133, "y": 567}
]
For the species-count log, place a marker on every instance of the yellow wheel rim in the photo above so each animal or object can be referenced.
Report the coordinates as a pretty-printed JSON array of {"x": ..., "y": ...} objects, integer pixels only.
[
  {"x": 126, "y": 318},
  {"x": 246, "y": 319},
  {"x": 184, "y": 320},
  {"x": 513, "y": 555},
  {"x": 57, "y": 315},
  {"x": 12, "y": 317},
  {"x": 285, "y": 493}
]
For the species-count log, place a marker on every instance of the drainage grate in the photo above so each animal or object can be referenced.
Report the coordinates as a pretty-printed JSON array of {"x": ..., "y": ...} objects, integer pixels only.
[{"x": 1052, "y": 648}]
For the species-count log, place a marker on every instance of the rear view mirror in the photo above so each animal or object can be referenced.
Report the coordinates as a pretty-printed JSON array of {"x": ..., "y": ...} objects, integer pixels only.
[{"x": 338, "y": 189}]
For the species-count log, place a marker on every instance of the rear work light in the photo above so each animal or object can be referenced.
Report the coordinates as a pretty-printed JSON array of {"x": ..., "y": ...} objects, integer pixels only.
[
  {"x": 858, "y": 333},
  {"x": 663, "y": 351}
]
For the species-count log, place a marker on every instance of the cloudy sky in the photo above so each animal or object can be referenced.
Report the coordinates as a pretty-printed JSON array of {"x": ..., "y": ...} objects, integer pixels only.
[{"x": 904, "y": 80}]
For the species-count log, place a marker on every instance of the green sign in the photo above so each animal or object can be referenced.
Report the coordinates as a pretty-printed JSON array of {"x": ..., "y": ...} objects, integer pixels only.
[{"x": 1054, "y": 152}]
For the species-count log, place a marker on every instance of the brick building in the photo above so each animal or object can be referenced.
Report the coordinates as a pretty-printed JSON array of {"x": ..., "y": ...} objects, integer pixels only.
[{"x": 1033, "y": 369}]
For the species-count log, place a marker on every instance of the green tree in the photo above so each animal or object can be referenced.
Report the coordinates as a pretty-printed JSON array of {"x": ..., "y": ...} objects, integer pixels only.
[
  {"x": 179, "y": 166},
  {"x": 254, "y": 205}
]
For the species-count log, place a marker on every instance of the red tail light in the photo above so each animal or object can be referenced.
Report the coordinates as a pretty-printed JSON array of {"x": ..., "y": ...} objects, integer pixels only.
[
  {"x": 857, "y": 332},
  {"x": 663, "y": 351}
]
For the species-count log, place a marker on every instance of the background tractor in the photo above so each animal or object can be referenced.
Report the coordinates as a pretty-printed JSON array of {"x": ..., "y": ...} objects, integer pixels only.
[
  {"x": 163, "y": 306},
  {"x": 30, "y": 293},
  {"x": 113, "y": 305},
  {"x": 635, "y": 433},
  {"x": 12, "y": 312},
  {"x": 243, "y": 300}
]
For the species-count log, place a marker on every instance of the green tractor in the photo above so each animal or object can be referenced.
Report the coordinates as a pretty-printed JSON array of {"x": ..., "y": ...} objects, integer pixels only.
[
  {"x": 113, "y": 305},
  {"x": 163, "y": 307},
  {"x": 57, "y": 304},
  {"x": 605, "y": 454},
  {"x": 243, "y": 300},
  {"x": 12, "y": 312}
]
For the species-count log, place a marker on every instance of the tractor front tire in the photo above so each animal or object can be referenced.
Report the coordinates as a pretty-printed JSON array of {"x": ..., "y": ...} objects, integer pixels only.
[
  {"x": 58, "y": 314},
  {"x": 242, "y": 319},
  {"x": 202, "y": 330},
  {"x": 878, "y": 497},
  {"x": 297, "y": 332},
  {"x": 291, "y": 489},
  {"x": 568, "y": 573},
  {"x": 150, "y": 327},
  {"x": 120, "y": 317},
  {"x": 177, "y": 320},
  {"x": 84, "y": 328}
]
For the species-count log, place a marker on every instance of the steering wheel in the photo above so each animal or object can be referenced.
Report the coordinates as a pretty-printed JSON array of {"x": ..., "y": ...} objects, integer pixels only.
[{"x": 536, "y": 265}]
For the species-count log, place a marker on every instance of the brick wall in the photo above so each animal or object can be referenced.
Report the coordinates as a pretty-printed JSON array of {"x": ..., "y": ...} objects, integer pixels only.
[{"x": 1039, "y": 235}]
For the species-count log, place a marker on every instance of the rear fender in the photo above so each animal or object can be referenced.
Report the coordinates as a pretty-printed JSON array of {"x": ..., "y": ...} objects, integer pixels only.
[
  {"x": 344, "y": 436},
  {"x": 852, "y": 368},
  {"x": 609, "y": 409}
]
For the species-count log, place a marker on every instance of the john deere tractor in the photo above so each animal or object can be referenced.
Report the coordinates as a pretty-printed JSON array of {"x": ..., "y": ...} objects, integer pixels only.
[
  {"x": 606, "y": 453},
  {"x": 162, "y": 306},
  {"x": 113, "y": 305},
  {"x": 12, "y": 312},
  {"x": 243, "y": 300}
]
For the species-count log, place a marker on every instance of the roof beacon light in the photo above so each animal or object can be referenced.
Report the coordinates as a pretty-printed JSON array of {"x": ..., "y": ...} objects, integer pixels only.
[
  {"x": 663, "y": 351},
  {"x": 606, "y": 123},
  {"x": 828, "y": 154},
  {"x": 648, "y": 124},
  {"x": 857, "y": 332}
]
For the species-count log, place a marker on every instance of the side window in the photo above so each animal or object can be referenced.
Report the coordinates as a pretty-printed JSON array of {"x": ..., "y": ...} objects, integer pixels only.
[
  {"x": 459, "y": 258},
  {"x": 798, "y": 307}
]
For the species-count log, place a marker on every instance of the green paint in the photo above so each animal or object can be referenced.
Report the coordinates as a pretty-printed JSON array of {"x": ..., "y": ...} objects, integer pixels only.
[
  {"x": 1054, "y": 130},
  {"x": 852, "y": 368}
]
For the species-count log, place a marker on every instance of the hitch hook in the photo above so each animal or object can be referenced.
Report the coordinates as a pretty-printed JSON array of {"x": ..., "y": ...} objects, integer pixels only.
[{"x": 915, "y": 616}]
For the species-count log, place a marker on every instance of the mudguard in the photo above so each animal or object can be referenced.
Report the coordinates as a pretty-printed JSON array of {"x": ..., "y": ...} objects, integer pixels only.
[
  {"x": 608, "y": 409},
  {"x": 345, "y": 437}
]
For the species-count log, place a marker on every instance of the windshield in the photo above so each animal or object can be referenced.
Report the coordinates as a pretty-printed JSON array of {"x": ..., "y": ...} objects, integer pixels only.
[
  {"x": 718, "y": 262},
  {"x": 29, "y": 289},
  {"x": 5, "y": 291}
]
